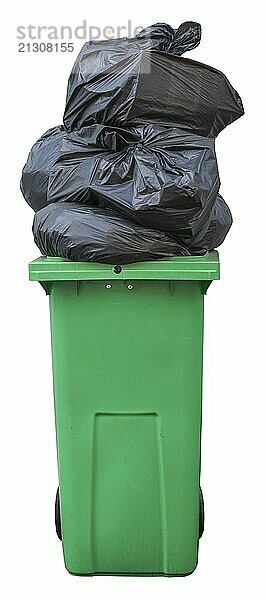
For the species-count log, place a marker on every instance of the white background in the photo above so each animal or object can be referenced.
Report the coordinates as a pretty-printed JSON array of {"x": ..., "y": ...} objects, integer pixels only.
[{"x": 232, "y": 551}]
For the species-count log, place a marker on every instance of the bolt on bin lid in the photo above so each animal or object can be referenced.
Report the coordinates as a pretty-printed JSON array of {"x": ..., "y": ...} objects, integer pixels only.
[{"x": 180, "y": 268}]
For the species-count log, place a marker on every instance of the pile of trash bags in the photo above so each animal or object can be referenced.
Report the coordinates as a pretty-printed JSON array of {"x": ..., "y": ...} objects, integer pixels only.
[{"x": 132, "y": 173}]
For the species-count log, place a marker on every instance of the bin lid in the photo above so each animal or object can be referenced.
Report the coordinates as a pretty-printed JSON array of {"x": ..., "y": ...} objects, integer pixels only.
[{"x": 183, "y": 268}]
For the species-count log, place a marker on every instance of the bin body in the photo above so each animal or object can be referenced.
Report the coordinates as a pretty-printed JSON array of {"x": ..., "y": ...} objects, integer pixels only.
[{"x": 127, "y": 368}]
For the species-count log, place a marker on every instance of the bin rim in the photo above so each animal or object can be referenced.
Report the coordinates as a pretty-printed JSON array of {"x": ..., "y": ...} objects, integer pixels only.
[{"x": 179, "y": 268}]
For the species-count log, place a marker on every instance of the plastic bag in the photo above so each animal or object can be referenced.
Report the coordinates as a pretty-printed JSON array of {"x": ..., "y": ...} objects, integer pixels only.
[
  {"x": 144, "y": 80},
  {"x": 138, "y": 137},
  {"x": 88, "y": 233},
  {"x": 36, "y": 173},
  {"x": 160, "y": 178}
]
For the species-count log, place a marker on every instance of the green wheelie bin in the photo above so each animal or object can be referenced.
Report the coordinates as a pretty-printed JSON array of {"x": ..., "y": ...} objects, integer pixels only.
[{"x": 127, "y": 346}]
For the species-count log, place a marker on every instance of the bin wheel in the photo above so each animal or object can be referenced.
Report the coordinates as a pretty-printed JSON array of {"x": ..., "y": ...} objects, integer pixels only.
[
  {"x": 201, "y": 513},
  {"x": 57, "y": 515}
]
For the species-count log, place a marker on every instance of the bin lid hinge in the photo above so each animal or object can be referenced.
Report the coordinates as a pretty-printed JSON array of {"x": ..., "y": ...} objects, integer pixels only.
[
  {"x": 46, "y": 285},
  {"x": 204, "y": 285}
]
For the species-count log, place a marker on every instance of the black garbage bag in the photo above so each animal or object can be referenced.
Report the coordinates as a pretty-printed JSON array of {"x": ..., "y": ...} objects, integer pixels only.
[
  {"x": 144, "y": 80},
  {"x": 88, "y": 233},
  {"x": 138, "y": 137},
  {"x": 212, "y": 237},
  {"x": 36, "y": 173},
  {"x": 158, "y": 177}
]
